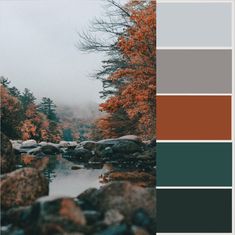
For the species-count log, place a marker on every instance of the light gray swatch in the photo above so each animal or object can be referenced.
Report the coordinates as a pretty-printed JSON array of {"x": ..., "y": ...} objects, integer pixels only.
[
  {"x": 194, "y": 71},
  {"x": 194, "y": 24}
]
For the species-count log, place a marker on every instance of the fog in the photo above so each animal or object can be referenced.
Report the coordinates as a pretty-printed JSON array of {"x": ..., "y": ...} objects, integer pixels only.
[{"x": 37, "y": 48}]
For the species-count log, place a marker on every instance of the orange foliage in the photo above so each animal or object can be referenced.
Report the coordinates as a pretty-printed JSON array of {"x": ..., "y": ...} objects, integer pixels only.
[{"x": 138, "y": 46}]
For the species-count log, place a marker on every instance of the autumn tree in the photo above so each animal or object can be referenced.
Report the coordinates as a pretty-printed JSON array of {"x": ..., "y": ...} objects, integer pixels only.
[
  {"x": 129, "y": 73},
  {"x": 20, "y": 117},
  {"x": 11, "y": 114}
]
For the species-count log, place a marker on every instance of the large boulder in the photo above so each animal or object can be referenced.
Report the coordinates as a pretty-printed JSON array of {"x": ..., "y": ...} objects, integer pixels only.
[
  {"x": 123, "y": 197},
  {"x": 55, "y": 215},
  {"x": 50, "y": 149},
  {"x": 80, "y": 154},
  {"x": 131, "y": 137},
  {"x": 29, "y": 144},
  {"x": 119, "y": 146},
  {"x": 22, "y": 187},
  {"x": 7, "y": 157},
  {"x": 90, "y": 145},
  {"x": 127, "y": 146}
]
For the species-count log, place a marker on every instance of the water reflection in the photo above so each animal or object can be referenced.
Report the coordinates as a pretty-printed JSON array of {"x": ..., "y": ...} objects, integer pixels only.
[{"x": 67, "y": 182}]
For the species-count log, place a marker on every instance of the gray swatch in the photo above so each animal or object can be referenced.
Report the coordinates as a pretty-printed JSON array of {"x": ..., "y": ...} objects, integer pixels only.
[
  {"x": 194, "y": 24},
  {"x": 194, "y": 71}
]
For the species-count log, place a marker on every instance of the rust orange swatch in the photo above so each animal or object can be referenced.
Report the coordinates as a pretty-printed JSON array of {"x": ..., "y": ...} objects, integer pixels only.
[{"x": 193, "y": 117}]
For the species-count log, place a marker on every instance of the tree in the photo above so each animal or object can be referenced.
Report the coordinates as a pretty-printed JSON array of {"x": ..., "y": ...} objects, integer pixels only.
[
  {"x": 27, "y": 98},
  {"x": 4, "y": 81},
  {"x": 47, "y": 107},
  {"x": 129, "y": 73},
  {"x": 11, "y": 114}
]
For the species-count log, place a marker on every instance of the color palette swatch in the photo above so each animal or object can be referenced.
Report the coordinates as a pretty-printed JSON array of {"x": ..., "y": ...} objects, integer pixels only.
[{"x": 194, "y": 116}]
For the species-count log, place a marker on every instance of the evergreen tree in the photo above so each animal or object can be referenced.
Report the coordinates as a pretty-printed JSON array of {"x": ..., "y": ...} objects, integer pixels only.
[
  {"x": 27, "y": 98},
  {"x": 48, "y": 107}
]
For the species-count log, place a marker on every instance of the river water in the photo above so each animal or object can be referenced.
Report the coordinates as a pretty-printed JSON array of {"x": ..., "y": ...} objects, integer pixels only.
[{"x": 64, "y": 181}]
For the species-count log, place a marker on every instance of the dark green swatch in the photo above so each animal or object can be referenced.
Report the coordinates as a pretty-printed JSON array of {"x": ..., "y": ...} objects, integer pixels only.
[
  {"x": 194, "y": 164},
  {"x": 194, "y": 210}
]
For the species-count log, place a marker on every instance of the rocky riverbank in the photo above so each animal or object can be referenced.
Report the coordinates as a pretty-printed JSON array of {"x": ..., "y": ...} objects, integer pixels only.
[{"x": 125, "y": 204}]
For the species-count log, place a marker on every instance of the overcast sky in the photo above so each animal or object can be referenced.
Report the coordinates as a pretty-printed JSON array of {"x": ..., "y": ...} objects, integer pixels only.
[{"x": 37, "y": 48}]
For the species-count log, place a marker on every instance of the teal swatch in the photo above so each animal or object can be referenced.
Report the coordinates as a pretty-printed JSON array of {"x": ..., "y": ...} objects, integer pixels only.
[{"x": 194, "y": 164}]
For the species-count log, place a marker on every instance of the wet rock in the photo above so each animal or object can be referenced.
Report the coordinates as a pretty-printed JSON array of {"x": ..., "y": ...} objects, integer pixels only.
[
  {"x": 16, "y": 145},
  {"x": 113, "y": 217},
  {"x": 121, "y": 229},
  {"x": 124, "y": 197},
  {"x": 35, "y": 151},
  {"x": 51, "y": 215},
  {"x": 76, "y": 167},
  {"x": 67, "y": 144},
  {"x": 80, "y": 154},
  {"x": 90, "y": 145},
  {"x": 50, "y": 149},
  {"x": 19, "y": 216},
  {"x": 22, "y": 187},
  {"x": 12, "y": 231},
  {"x": 126, "y": 147},
  {"x": 7, "y": 158},
  {"x": 92, "y": 216},
  {"x": 106, "y": 153},
  {"x": 141, "y": 218},
  {"x": 130, "y": 137},
  {"x": 29, "y": 144},
  {"x": 42, "y": 143},
  {"x": 84, "y": 199}
]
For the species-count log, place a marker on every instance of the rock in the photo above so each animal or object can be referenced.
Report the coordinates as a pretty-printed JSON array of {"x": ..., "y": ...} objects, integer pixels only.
[
  {"x": 106, "y": 153},
  {"x": 141, "y": 218},
  {"x": 90, "y": 145},
  {"x": 56, "y": 215},
  {"x": 126, "y": 147},
  {"x": 50, "y": 149},
  {"x": 35, "y": 151},
  {"x": 16, "y": 145},
  {"x": 113, "y": 217},
  {"x": 121, "y": 229},
  {"x": 92, "y": 216},
  {"x": 117, "y": 146},
  {"x": 131, "y": 137},
  {"x": 18, "y": 216},
  {"x": 84, "y": 199},
  {"x": 66, "y": 144},
  {"x": 7, "y": 158},
  {"x": 12, "y": 231},
  {"x": 43, "y": 143},
  {"x": 76, "y": 167},
  {"x": 29, "y": 144},
  {"x": 63, "y": 144},
  {"x": 80, "y": 154},
  {"x": 124, "y": 197},
  {"x": 22, "y": 187}
]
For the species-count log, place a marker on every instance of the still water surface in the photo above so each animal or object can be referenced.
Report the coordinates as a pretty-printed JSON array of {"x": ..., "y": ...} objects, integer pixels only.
[{"x": 67, "y": 182}]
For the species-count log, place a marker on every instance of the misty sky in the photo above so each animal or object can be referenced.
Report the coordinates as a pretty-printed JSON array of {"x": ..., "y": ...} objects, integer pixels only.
[{"x": 37, "y": 48}]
